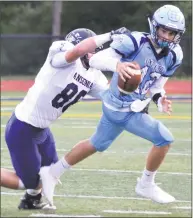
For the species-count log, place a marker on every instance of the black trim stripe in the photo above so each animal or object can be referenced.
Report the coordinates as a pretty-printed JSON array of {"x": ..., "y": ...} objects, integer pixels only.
[
  {"x": 118, "y": 52},
  {"x": 173, "y": 59},
  {"x": 134, "y": 42},
  {"x": 170, "y": 69},
  {"x": 135, "y": 46}
]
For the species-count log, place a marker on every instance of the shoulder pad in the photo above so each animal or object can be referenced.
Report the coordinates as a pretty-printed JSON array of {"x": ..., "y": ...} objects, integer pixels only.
[
  {"x": 173, "y": 60},
  {"x": 178, "y": 51},
  {"x": 138, "y": 36},
  {"x": 175, "y": 56},
  {"x": 126, "y": 44}
]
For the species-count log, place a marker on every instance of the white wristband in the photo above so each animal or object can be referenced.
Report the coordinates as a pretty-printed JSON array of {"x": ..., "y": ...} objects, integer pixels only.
[{"x": 101, "y": 39}]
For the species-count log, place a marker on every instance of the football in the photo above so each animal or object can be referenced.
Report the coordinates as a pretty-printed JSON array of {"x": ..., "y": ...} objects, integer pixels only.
[{"x": 131, "y": 84}]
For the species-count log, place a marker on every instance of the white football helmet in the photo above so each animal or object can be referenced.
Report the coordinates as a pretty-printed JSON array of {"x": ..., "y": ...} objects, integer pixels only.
[{"x": 168, "y": 17}]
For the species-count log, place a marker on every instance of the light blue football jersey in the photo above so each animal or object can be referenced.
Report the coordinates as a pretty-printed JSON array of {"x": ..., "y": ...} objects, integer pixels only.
[{"x": 136, "y": 46}]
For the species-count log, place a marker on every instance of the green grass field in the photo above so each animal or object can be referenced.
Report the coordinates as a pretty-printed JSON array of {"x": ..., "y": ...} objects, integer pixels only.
[{"x": 103, "y": 185}]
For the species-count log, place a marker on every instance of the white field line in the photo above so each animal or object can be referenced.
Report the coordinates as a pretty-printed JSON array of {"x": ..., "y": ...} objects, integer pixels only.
[
  {"x": 132, "y": 152},
  {"x": 116, "y": 171},
  {"x": 87, "y": 125},
  {"x": 128, "y": 171},
  {"x": 7, "y": 109},
  {"x": 55, "y": 215},
  {"x": 96, "y": 119},
  {"x": 69, "y": 126},
  {"x": 137, "y": 212},
  {"x": 124, "y": 151},
  {"x": 94, "y": 197},
  {"x": 183, "y": 208}
]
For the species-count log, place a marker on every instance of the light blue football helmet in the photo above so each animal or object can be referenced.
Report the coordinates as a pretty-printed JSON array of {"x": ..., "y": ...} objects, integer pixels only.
[{"x": 168, "y": 17}]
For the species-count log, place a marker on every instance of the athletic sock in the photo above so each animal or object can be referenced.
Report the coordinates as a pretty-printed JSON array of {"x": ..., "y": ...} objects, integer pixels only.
[
  {"x": 59, "y": 168},
  {"x": 34, "y": 192},
  {"x": 148, "y": 176}
]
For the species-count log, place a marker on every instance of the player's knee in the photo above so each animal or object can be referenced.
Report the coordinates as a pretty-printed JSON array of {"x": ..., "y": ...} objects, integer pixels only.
[
  {"x": 99, "y": 146},
  {"x": 166, "y": 137}
]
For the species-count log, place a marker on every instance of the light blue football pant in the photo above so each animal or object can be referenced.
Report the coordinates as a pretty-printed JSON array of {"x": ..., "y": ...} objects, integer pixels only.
[{"x": 112, "y": 123}]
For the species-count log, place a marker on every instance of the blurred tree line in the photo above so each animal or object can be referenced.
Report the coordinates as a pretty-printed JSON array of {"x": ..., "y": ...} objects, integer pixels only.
[{"x": 24, "y": 54}]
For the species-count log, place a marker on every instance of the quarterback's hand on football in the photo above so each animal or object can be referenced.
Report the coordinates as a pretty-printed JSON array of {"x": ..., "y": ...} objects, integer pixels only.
[
  {"x": 124, "y": 71},
  {"x": 165, "y": 105}
]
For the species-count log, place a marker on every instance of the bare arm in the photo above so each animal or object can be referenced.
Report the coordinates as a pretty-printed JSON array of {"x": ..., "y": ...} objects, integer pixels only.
[{"x": 86, "y": 46}]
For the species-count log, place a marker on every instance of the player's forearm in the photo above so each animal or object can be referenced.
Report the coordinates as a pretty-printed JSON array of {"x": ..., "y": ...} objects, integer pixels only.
[
  {"x": 158, "y": 87},
  {"x": 104, "y": 64},
  {"x": 87, "y": 46},
  {"x": 105, "y": 60}
]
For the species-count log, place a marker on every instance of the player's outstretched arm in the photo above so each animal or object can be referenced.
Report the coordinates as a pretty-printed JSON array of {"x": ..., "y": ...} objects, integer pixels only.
[
  {"x": 64, "y": 53},
  {"x": 89, "y": 45},
  {"x": 109, "y": 60},
  {"x": 86, "y": 46}
]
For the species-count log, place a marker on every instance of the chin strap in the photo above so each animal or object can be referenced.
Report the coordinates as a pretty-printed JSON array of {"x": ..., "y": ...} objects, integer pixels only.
[{"x": 85, "y": 61}]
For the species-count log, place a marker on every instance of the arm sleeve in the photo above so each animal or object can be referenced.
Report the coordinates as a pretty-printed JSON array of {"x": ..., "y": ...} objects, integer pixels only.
[
  {"x": 101, "y": 84},
  {"x": 158, "y": 86},
  {"x": 57, "y": 53},
  {"x": 105, "y": 60}
]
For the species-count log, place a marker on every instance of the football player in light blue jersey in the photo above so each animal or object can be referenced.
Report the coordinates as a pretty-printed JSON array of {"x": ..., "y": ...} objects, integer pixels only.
[{"x": 159, "y": 55}]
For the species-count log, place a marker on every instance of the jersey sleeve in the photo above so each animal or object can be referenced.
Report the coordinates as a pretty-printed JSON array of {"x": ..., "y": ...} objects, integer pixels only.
[
  {"x": 57, "y": 53},
  {"x": 101, "y": 84},
  {"x": 174, "y": 60},
  {"x": 126, "y": 44},
  {"x": 158, "y": 86}
]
